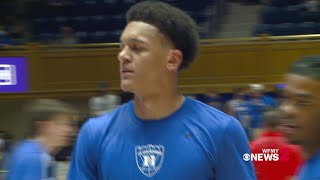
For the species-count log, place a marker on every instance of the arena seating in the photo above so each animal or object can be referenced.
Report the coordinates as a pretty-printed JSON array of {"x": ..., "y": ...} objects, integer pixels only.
[
  {"x": 287, "y": 17},
  {"x": 100, "y": 21}
]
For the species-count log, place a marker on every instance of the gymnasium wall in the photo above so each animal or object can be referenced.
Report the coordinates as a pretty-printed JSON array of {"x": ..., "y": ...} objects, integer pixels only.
[{"x": 67, "y": 71}]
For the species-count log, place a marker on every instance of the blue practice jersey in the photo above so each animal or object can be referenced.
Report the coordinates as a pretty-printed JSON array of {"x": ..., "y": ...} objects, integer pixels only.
[
  {"x": 29, "y": 161},
  {"x": 258, "y": 109},
  {"x": 195, "y": 142},
  {"x": 311, "y": 169}
]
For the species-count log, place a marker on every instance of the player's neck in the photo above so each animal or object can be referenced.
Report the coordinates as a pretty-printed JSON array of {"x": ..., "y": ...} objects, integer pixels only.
[{"x": 158, "y": 105}]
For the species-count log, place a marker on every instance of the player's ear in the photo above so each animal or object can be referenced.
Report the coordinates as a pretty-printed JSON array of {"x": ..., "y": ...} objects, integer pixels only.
[{"x": 175, "y": 60}]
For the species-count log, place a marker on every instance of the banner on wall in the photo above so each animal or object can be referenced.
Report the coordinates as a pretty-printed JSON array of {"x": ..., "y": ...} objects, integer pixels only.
[{"x": 13, "y": 75}]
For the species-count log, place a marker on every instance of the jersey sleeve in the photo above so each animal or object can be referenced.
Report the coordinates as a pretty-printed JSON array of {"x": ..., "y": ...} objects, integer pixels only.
[
  {"x": 25, "y": 166},
  {"x": 230, "y": 164},
  {"x": 83, "y": 160}
]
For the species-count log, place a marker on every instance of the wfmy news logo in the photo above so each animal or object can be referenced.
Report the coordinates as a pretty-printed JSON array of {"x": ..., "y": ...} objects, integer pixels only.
[{"x": 265, "y": 155}]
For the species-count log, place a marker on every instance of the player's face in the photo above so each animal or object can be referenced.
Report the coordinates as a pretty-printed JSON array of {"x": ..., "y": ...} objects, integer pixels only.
[
  {"x": 60, "y": 129},
  {"x": 301, "y": 110},
  {"x": 143, "y": 57}
]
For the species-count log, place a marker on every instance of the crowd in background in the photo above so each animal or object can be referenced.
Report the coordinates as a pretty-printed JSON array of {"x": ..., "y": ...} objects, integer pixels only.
[
  {"x": 15, "y": 29},
  {"x": 248, "y": 104}
]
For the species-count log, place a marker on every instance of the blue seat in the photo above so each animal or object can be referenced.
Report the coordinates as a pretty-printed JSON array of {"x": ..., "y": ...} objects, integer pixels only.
[
  {"x": 79, "y": 23},
  {"x": 284, "y": 29},
  {"x": 292, "y": 16},
  {"x": 273, "y": 15},
  {"x": 262, "y": 29},
  {"x": 308, "y": 16},
  {"x": 45, "y": 37},
  {"x": 61, "y": 21},
  {"x": 117, "y": 22},
  {"x": 307, "y": 28},
  {"x": 44, "y": 25},
  {"x": 114, "y": 36},
  {"x": 284, "y": 3}
]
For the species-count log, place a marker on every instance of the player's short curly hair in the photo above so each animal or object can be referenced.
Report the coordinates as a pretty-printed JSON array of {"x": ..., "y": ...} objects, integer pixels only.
[
  {"x": 175, "y": 24},
  {"x": 307, "y": 66}
]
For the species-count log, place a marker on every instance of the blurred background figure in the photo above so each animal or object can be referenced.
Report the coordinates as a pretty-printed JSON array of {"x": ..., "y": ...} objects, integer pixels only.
[
  {"x": 6, "y": 141},
  {"x": 212, "y": 98},
  {"x": 5, "y": 39},
  {"x": 241, "y": 109},
  {"x": 104, "y": 101},
  {"x": 312, "y": 5},
  {"x": 52, "y": 125},
  {"x": 2, "y": 150},
  {"x": 239, "y": 96},
  {"x": 16, "y": 30},
  {"x": 259, "y": 104},
  {"x": 290, "y": 156},
  {"x": 67, "y": 36}
]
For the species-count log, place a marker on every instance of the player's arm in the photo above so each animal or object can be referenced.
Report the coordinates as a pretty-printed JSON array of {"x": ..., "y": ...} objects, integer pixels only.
[
  {"x": 25, "y": 167},
  {"x": 230, "y": 164},
  {"x": 83, "y": 160}
]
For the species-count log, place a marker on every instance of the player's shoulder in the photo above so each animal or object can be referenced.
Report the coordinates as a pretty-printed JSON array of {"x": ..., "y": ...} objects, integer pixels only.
[
  {"x": 28, "y": 146},
  {"x": 211, "y": 115},
  {"x": 104, "y": 121},
  {"x": 27, "y": 150}
]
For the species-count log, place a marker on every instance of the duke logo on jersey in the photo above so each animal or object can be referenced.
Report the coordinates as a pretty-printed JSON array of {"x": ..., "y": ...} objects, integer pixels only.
[{"x": 149, "y": 158}]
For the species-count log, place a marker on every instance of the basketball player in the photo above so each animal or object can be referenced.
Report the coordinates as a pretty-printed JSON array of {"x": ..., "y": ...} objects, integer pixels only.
[
  {"x": 160, "y": 134},
  {"x": 301, "y": 110},
  {"x": 52, "y": 129}
]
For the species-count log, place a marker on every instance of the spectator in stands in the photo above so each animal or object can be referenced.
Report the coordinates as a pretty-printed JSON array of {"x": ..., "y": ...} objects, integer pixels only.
[
  {"x": 259, "y": 103},
  {"x": 19, "y": 35},
  {"x": 241, "y": 109},
  {"x": 2, "y": 147},
  {"x": 67, "y": 36},
  {"x": 51, "y": 123},
  {"x": 312, "y": 5},
  {"x": 7, "y": 141},
  {"x": 15, "y": 30},
  {"x": 239, "y": 95},
  {"x": 103, "y": 102},
  {"x": 212, "y": 98},
  {"x": 290, "y": 156},
  {"x": 301, "y": 112}
]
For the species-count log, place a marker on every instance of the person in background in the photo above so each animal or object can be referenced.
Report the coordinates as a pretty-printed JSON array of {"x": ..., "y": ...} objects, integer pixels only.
[
  {"x": 312, "y": 5},
  {"x": 301, "y": 111},
  {"x": 103, "y": 102},
  {"x": 290, "y": 156},
  {"x": 67, "y": 36},
  {"x": 212, "y": 98},
  {"x": 241, "y": 109},
  {"x": 259, "y": 104},
  {"x": 239, "y": 96},
  {"x": 51, "y": 128},
  {"x": 2, "y": 150}
]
